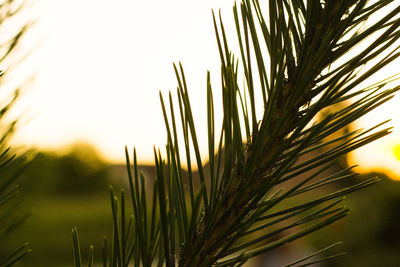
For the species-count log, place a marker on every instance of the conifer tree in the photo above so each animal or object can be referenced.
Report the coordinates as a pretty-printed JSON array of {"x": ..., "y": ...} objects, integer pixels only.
[
  {"x": 264, "y": 173},
  {"x": 11, "y": 164}
]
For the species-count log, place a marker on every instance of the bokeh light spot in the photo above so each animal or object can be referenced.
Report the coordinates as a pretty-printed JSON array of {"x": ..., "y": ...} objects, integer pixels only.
[{"x": 396, "y": 151}]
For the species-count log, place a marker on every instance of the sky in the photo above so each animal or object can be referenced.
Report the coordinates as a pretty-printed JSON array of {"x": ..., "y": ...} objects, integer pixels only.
[{"x": 98, "y": 67}]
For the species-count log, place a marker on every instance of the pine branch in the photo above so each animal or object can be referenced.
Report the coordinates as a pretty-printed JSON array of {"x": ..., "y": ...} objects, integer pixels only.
[
  {"x": 11, "y": 164},
  {"x": 227, "y": 212},
  {"x": 256, "y": 168}
]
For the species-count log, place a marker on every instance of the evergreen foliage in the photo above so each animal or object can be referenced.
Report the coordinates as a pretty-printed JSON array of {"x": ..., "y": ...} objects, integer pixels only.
[
  {"x": 249, "y": 198},
  {"x": 11, "y": 165}
]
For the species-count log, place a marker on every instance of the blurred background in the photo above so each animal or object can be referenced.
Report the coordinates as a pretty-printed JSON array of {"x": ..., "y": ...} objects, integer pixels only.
[{"x": 90, "y": 72}]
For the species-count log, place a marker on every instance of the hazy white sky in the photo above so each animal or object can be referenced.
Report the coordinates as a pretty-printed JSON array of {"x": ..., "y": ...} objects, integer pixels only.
[
  {"x": 100, "y": 67},
  {"x": 100, "y": 64}
]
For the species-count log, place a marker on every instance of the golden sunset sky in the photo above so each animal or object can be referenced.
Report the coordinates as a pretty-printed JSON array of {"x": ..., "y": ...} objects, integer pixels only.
[{"x": 98, "y": 66}]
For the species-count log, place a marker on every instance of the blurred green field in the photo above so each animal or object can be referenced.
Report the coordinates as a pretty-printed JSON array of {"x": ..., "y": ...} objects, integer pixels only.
[
  {"x": 48, "y": 230},
  {"x": 61, "y": 192}
]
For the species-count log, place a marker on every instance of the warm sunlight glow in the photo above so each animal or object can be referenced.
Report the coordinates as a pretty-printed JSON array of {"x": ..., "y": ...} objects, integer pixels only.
[
  {"x": 396, "y": 151},
  {"x": 382, "y": 155},
  {"x": 99, "y": 65}
]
